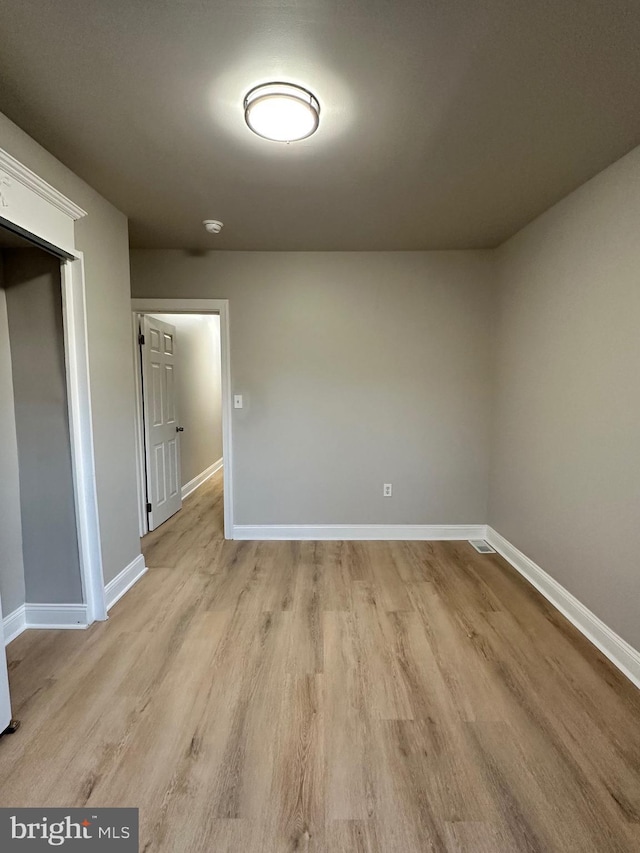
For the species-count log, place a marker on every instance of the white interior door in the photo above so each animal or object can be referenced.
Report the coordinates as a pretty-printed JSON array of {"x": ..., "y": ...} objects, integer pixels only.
[
  {"x": 162, "y": 433},
  {"x": 5, "y": 701}
]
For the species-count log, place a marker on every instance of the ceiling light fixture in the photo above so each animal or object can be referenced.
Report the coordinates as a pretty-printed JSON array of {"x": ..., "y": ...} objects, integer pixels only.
[{"x": 282, "y": 112}]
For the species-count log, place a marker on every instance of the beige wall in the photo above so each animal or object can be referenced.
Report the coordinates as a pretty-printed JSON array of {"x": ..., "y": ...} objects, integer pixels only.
[
  {"x": 103, "y": 238},
  {"x": 199, "y": 392},
  {"x": 12, "y": 589},
  {"x": 356, "y": 369},
  {"x": 565, "y": 472}
]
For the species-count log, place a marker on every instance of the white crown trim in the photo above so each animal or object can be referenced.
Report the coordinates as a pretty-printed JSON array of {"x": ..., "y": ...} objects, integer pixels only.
[{"x": 14, "y": 169}]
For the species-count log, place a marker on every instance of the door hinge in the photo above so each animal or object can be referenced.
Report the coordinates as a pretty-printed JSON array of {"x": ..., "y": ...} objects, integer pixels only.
[
  {"x": 148, "y": 508},
  {"x": 141, "y": 339}
]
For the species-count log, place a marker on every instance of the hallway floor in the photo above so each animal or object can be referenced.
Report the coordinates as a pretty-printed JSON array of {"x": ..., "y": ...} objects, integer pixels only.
[{"x": 333, "y": 696}]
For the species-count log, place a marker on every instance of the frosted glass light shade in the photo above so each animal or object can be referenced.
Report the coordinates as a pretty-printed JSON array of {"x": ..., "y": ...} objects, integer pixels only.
[{"x": 282, "y": 112}]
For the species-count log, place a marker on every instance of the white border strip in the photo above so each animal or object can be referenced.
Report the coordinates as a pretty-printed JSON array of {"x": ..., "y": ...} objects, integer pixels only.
[
  {"x": 374, "y": 532},
  {"x": 123, "y": 581},
  {"x": 56, "y": 615},
  {"x": 14, "y": 624},
  {"x": 619, "y": 652},
  {"x": 197, "y": 481}
]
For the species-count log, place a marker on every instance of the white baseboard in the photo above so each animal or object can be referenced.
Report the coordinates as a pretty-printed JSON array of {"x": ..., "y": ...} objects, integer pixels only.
[
  {"x": 52, "y": 616},
  {"x": 192, "y": 485},
  {"x": 14, "y": 624},
  {"x": 619, "y": 652},
  {"x": 55, "y": 615},
  {"x": 123, "y": 581},
  {"x": 388, "y": 532}
]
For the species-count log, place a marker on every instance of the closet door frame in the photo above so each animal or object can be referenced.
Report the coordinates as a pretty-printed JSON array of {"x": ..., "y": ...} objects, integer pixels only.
[{"x": 33, "y": 209}]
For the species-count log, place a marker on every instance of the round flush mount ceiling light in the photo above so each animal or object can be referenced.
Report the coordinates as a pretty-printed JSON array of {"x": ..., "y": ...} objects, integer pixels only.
[{"x": 282, "y": 112}]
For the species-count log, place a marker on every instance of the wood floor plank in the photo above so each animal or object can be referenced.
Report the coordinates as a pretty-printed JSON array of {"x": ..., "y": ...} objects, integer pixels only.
[
  {"x": 357, "y": 836},
  {"x": 306, "y": 654},
  {"x": 296, "y": 802},
  {"x": 328, "y": 697},
  {"x": 387, "y": 690},
  {"x": 348, "y": 736},
  {"x": 390, "y": 590},
  {"x": 477, "y": 837}
]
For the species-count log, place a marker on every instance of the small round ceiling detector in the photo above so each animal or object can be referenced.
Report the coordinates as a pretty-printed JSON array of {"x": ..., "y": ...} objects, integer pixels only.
[
  {"x": 282, "y": 112},
  {"x": 212, "y": 226}
]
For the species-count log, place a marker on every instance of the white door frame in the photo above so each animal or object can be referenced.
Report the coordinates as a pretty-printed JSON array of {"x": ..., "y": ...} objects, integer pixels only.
[
  {"x": 37, "y": 211},
  {"x": 76, "y": 352},
  {"x": 152, "y": 305}
]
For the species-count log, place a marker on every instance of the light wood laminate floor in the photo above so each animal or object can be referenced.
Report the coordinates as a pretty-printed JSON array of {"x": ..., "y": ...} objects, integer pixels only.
[{"x": 332, "y": 696}]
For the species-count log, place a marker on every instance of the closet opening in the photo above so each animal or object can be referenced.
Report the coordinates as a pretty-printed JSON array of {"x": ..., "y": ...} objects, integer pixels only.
[{"x": 41, "y": 567}]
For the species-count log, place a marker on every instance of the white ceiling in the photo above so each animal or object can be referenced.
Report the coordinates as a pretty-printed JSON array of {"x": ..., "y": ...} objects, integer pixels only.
[{"x": 445, "y": 123}]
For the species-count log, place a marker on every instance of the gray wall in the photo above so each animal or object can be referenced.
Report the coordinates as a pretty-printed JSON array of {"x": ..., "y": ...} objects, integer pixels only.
[
  {"x": 356, "y": 369},
  {"x": 565, "y": 472},
  {"x": 49, "y": 533},
  {"x": 199, "y": 392},
  {"x": 103, "y": 238},
  {"x": 12, "y": 590},
  {"x": 364, "y": 368}
]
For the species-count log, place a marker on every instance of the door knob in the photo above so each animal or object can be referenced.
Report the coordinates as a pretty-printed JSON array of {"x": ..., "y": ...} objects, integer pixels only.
[{"x": 179, "y": 429}]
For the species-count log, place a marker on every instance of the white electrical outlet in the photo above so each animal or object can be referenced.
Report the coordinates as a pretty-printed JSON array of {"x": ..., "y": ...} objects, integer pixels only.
[{"x": 387, "y": 490}]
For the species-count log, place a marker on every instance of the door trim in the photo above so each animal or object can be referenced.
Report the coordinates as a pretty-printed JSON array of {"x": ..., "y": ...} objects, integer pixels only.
[
  {"x": 152, "y": 305},
  {"x": 81, "y": 434}
]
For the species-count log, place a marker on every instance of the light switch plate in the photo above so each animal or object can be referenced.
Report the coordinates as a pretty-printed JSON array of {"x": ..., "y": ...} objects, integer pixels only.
[{"x": 237, "y": 401}]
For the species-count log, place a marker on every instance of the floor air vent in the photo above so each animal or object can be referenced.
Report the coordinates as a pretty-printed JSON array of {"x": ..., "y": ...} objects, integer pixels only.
[{"x": 481, "y": 546}]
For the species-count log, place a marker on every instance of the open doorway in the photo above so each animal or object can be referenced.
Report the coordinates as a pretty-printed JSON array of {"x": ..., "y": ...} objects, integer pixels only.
[
  {"x": 42, "y": 560},
  {"x": 182, "y": 414},
  {"x": 38, "y": 219},
  {"x": 43, "y": 574},
  {"x": 50, "y": 566}
]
